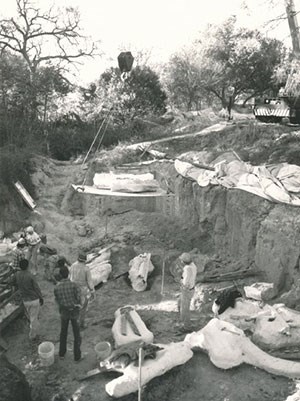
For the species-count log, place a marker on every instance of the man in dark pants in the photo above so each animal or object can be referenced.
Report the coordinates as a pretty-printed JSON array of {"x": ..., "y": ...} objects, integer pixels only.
[
  {"x": 31, "y": 296},
  {"x": 67, "y": 295}
]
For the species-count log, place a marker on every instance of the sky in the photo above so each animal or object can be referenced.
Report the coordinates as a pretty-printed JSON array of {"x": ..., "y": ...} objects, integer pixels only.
[{"x": 160, "y": 26}]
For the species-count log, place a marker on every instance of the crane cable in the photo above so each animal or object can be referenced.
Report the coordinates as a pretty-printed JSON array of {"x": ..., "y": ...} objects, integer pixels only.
[
  {"x": 106, "y": 119},
  {"x": 124, "y": 76},
  {"x": 102, "y": 137},
  {"x": 96, "y": 136}
]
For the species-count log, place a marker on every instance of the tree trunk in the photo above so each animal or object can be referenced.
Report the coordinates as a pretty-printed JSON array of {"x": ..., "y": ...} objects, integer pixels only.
[
  {"x": 224, "y": 100},
  {"x": 45, "y": 131}
]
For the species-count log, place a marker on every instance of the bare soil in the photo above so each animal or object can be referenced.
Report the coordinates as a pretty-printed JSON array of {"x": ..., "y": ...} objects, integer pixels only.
[{"x": 132, "y": 233}]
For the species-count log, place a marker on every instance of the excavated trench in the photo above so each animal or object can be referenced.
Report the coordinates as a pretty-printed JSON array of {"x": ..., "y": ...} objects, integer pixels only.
[{"x": 229, "y": 224}]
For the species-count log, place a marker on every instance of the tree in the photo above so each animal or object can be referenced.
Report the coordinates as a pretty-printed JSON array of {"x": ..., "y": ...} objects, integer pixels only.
[
  {"x": 279, "y": 12},
  {"x": 184, "y": 80},
  {"x": 240, "y": 58},
  {"x": 16, "y": 101},
  {"x": 149, "y": 97},
  {"x": 48, "y": 36},
  {"x": 139, "y": 95},
  {"x": 14, "y": 78},
  {"x": 47, "y": 41},
  {"x": 224, "y": 59}
]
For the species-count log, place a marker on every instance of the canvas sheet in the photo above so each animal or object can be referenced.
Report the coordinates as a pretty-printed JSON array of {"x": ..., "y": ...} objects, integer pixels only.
[{"x": 276, "y": 183}]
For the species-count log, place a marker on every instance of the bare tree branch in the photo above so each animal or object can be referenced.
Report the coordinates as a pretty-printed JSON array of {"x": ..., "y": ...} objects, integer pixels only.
[{"x": 40, "y": 36}]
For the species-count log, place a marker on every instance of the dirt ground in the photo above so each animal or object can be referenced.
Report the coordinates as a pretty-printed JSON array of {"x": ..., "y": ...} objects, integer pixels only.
[{"x": 131, "y": 233}]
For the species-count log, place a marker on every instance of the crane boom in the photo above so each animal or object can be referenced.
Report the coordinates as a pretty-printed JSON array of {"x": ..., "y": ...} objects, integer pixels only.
[{"x": 294, "y": 27}]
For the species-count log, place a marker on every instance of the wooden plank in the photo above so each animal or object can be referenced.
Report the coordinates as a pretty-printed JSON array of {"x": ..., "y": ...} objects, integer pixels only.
[
  {"x": 25, "y": 195},
  {"x": 5, "y": 277},
  {"x": 5, "y": 294},
  {"x": 8, "y": 319},
  {"x": 86, "y": 189},
  {"x": 12, "y": 296},
  {"x": 229, "y": 276}
]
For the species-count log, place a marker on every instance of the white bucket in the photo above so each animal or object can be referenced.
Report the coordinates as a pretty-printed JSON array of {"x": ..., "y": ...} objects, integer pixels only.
[
  {"x": 46, "y": 353},
  {"x": 103, "y": 350}
]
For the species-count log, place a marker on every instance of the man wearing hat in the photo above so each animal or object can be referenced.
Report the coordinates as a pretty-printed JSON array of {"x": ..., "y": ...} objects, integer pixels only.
[
  {"x": 18, "y": 253},
  {"x": 187, "y": 286},
  {"x": 81, "y": 275},
  {"x": 33, "y": 241}
]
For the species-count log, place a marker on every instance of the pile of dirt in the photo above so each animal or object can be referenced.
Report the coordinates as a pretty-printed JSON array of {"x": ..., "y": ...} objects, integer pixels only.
[{"x": 253, "y": 141}]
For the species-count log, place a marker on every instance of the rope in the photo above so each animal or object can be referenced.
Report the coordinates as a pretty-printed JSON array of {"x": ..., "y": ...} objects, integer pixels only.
[
  {"x": 101, "y": 139},
  {"x": 124, "y": 76},
  {"x": 106, "y": 119},
  {"x": 96, "y": 136}
]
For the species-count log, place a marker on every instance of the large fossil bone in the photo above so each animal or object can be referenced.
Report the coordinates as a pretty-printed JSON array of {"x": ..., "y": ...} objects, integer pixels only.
[
  {"x": 172, "y": 355},
  {"x": 128, "y": 327},
  {"x": 228, "y": 346}
]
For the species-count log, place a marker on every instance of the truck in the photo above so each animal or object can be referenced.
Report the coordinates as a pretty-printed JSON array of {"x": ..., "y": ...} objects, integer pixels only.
[{"x": 282, "y": 109}]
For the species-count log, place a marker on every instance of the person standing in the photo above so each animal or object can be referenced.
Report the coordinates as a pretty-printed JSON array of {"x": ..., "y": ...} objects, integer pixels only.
[
  {"x": 33, "y": 241},
  {"x": 187, "y": 286},
  {"x": 31, "y": 296},
  {"x": 81, "y": 275},
  {"x": 18, "y": 253},
  {"x": 68, "y": 297}
]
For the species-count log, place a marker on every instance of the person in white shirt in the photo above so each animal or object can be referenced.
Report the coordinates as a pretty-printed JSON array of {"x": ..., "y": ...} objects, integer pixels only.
[
  {"x": 81, "y": 275},
  {"x": 187, "y": 286},
  {"x": 33, "y": 241}
]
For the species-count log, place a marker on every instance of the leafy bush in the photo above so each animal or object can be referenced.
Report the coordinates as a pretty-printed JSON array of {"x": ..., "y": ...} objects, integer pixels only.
[{"x": 67, "y": 141}]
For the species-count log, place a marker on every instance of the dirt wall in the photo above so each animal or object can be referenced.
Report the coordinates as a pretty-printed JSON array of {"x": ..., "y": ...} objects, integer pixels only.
[
  {"x": 241, "y": 226},
  {"x": 13, "y": 214}
]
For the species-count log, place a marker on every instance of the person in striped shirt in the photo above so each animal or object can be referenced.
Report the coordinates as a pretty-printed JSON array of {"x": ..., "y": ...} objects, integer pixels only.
[{"x": 18, "y": 253}]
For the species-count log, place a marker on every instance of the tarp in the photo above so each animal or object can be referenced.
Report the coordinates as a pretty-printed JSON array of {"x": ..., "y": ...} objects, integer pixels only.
[{"x": 276, "y": 183}]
